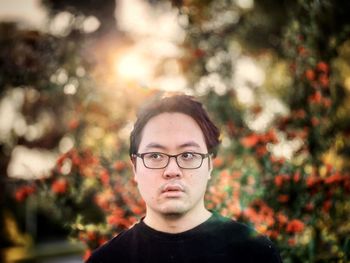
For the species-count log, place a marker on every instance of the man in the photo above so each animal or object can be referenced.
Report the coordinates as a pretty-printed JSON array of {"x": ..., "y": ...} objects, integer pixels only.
[{"x": 171, "y": 148}]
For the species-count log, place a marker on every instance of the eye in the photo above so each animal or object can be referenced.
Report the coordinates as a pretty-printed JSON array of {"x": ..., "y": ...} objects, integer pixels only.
[
  {"x": 187, "y": 156},
  {"x": 155, "y": 156}
]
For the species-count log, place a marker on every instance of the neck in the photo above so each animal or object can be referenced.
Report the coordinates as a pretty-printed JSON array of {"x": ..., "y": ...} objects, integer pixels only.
[{"x": 176, "y": 223}]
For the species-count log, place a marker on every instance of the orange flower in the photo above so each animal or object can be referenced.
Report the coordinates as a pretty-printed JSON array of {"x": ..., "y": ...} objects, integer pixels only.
[
  {"x": 283, "y": 198},
  {"x": 315, "y": 121},
  {"x": 75, "y": 158},
  {"x": 261, "y": 150},
  {"x": 310, "y": 74},
  {"x": 91, "y": 235},
  {"x": 104, "y": 177},
  {"x": 312, "y": 180},
  {"x": 279, "y": 180},
  {"x": 309, "y": 207},
  {"x": 261, "y": 228},
  {"x": 324, "y": 80},
  {"x": 137, "y": 210},
  {"x": 22, "y": 193},
  {"x": 236, "y": 174},
  {"x": 210, "y": 206},
  {"x": 295, "y": 226},
  {"x": 59, "y": 186},
  {"x": 322, "y": 66},
  {"x": 73, "y": 124},
  {"x": 327, "y": 102},
  {"x": 282, "y": 218},
  {"x": 335, "y": 178},
  {"x": 300, "y": 114},
  {"x": 235, "y": 208},
  {"x": 326, "y": 206},
  {"x": 217, "y": 162},
  {"x": 225, "y": 174},
  {"x": 87, "y": 254},
  {"x": 117, "y": 218},
  {"x": 270, "y": 136},
  {"x": 296, "y": 177},
  {"x": 302, "y": 51},
  {"x": 316, "y": 98},
  {"x": 119, "y": 165},
  {"x": 273, "y": 234},
  {"x": 274, "y": 159},
  {"x": 250, "y": 141},
  {"x": 61, "y": 159},
  {"x": 250, "y": 213},
  {"x": 104, "y": 199},
  {"x": 329, "y": 167},
  {"x": 102, "y": 240}
]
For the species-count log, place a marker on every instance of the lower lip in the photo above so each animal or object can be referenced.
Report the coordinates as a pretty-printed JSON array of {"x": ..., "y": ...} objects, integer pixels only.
[{"x": 173, "y": 193}]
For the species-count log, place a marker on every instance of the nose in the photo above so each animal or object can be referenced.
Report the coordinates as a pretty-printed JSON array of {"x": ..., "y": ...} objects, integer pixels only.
[{"x": 172, "y": 170}]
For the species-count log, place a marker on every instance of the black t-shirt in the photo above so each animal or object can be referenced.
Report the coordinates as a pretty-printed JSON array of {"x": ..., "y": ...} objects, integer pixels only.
[{"x": 217, "y": 240}]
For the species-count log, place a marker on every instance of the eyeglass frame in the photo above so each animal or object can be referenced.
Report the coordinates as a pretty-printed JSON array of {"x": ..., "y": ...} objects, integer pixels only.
[{"x": 141, "y": 155}]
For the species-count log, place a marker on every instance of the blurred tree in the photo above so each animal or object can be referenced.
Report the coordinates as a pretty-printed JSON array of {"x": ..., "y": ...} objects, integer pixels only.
[
  {"x": 36, "y": 71},
  {"x": 105, "y": 12},
  {"x": 25, "y": 54},
  {"x": 60, "y": 99},
  {"x": 274, "y": 75},
  {"x": 308, "y": 37}
]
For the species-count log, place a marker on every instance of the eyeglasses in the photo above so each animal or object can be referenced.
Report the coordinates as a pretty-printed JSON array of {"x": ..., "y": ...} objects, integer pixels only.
[{"x": 185, "y": 160}]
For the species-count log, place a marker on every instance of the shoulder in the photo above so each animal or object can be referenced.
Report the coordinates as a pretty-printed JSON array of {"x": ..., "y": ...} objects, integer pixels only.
[
  {"x": 113, "y": 248},
  {"x": 232, "y": 228},
  {"x": 247, "y": 241},
  {"x": 260, "y": 247}
]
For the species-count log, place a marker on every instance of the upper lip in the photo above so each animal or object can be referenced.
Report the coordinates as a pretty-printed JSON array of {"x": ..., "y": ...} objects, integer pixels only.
[{"x": 172, "y": 187}]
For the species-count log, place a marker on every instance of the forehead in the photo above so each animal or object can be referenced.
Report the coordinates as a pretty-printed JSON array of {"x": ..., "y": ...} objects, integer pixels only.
[{"x": 172, "y": 130}]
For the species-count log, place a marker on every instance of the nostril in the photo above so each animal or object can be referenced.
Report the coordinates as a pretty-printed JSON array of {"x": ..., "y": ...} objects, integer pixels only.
[{"x": 171, "y": 174}]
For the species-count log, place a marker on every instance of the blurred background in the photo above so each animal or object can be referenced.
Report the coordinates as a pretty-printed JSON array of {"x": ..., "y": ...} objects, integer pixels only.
[{"x": 274, "y": 75}]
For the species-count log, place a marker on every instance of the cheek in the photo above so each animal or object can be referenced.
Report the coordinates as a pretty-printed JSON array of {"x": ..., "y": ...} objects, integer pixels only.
[
  {"x": 204, "y": 173},
  {"x": 199, "y": 179},
  {"x": 145, "y": 183}
]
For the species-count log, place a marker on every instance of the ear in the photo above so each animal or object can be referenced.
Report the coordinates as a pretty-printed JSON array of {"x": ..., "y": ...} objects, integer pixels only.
[
  {"x": 133, "y": 165},
  {"x": 210, "y": 165}
]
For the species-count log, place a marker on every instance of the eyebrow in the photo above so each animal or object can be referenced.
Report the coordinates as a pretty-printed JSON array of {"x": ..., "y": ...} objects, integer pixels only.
[
  {"x": 189, "y": 144},
  {"x": 153, "y": 145}
]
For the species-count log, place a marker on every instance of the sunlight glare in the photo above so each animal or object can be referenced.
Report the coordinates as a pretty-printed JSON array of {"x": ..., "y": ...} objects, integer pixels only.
[
  {"x": 245, "y": 4},
  {"x": 245, "y": 95},
  {"x": 131, "y": 66},
  {"x": 29, "y": 163},
  {"x": 91, "y": 24},
  {"x": 60, "y": 23},
  {"x": 66, "y": 144},
  {"x": 285, "y": 148}
]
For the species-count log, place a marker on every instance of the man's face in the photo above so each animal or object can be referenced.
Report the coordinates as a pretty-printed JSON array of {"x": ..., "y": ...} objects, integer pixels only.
[{"x": 172, "y": 190}]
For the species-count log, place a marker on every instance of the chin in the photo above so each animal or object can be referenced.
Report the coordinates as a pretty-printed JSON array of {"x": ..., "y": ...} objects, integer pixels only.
[{"x": 174, "y": 210}]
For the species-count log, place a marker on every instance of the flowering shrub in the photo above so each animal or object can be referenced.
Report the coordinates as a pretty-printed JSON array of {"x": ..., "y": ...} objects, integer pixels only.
[
  {"x": 301, "y": 202},
  {"x": 99, "y": 199},
  {"x": 298, "y": 208}
]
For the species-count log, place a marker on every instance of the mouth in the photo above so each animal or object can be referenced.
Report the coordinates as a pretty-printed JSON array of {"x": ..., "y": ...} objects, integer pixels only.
[{"x": 173, "y": 190}]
